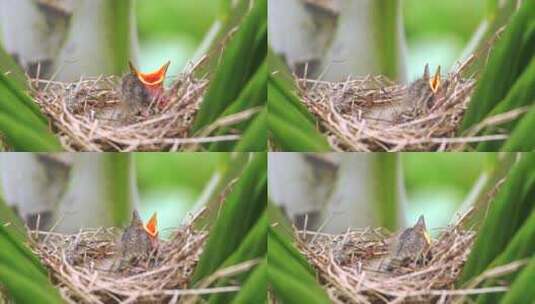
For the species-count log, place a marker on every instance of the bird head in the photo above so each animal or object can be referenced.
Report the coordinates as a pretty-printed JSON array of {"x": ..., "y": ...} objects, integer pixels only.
[
  {"x": 421, "y": 229},
  {"x": 152, "y": 229},
  {"x": 152, "y": 81},
  {"x": 435, "y": 81}
]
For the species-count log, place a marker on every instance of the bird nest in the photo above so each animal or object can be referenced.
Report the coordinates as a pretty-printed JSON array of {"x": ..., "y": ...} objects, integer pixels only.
[
  {"x": 372, "y": 114},
  {"x": 81, "y": 114},
  {"x": 349, "y": 267},
  {"x": 80, "y": 267}
]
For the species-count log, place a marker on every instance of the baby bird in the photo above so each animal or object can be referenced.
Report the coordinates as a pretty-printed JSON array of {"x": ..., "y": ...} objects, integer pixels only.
[
  {"x": 139, "y": 90},
  {"x": 138, "y": 241},
  {"x": 409, "y": 246},
  {"x": 423, "y": 92}
]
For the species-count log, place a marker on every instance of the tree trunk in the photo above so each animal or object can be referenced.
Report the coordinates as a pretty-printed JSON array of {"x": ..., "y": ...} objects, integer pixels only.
[
  {"x": 339, "y": 38},
  {"x": 70, "y": 38},
  {"x": 74, "y": 190},
  {"x": 336, "y": 190}
]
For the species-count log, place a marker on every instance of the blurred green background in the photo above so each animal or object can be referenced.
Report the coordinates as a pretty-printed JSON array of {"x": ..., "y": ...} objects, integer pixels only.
[
  {"x": 172, "y": 30},
  {"x": 438, "y": 31},
  {"x": 171, "y": 183},
  {"x": 438, "y": 183}
]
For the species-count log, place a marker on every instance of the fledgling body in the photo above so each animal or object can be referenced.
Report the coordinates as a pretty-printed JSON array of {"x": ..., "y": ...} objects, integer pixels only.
[
  {"x": 408, "y": 247},
  {"x": 134, "y": 95},
  {"x": 137, "y": 243},
  {"x": 420, "y": 96},
  {"x": 424, "y": 92},
  {"x": 138, "y": 92}
]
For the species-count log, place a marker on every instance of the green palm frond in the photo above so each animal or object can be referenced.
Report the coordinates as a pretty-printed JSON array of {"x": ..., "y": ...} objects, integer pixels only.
[
  {"x": 246, "y": 202},
  {"x": 508, "y": 232}
]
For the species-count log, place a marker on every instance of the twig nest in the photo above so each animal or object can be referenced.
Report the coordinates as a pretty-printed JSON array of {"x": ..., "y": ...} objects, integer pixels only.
[
  {"x": 81, "y": 266},
  {"x": 349, "y": 266},
  {"x": 375, "y": 114},
  {"x": 89, "y": 115}
]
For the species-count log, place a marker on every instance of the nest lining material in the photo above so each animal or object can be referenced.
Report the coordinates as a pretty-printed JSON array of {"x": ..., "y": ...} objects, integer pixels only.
[
  {"x": 371, "y": 114},
  {"x": 74, "y": 108},
  {"x": 348, "y": 267},
  {"x": 80, "y": 265}
]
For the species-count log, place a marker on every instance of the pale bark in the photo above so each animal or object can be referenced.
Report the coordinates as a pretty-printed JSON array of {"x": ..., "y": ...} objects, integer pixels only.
[
  {"x": 357, "y": 49},
  {"x": 298, "y": 33},
  {"x": 80, "y": 199},
  {"x": 339, "y": 38},
  {"x": 31, "y": 33},
  {"x": 76, "y": 38},
  {"x": 334, "y": 199},
  {"x": 92, "y": 42}
]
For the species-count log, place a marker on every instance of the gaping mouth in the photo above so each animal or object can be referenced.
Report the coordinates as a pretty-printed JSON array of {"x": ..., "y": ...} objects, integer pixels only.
[
  {"x": 152, "y": 226},
  {"x": 435, "y": 81},
  {"x": 153, "y": 78}
]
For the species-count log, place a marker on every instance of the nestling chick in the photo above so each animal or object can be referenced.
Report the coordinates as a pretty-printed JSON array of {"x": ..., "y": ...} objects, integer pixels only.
[
  {"x": 139, "y": 90},
  {"x": 424, "y": 92},
  {"x": 409, "y": 246},
  {"x": 138, "y": 242}
]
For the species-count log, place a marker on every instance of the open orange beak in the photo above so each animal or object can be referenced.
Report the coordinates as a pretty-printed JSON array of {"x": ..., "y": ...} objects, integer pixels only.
[
  {"x": 435, "y": 81},
  {"x": 153, "y": 81},
  {"x": 152, "y": 226}
]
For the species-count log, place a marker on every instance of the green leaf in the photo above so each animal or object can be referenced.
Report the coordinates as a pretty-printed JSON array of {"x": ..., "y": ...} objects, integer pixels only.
[
  {"x": 253, "y": 246},
  {"x": 522, "y": 139},
  {"x": 289, "y": 274},
  {"x": 21, "y": 122},
  {"x": 16, "y": 103},
  {"x": 255, "y": 137},
  {"x": 10, "y": 68},
  {"x": 498, "y": 14},
  {"x": 26, "y": 289},
  {"x": 231, "y": 16},
  {"x": 507, "y": 213},
  {"x": 291, "y": 138},
  {"x": 290, "y": 124},
  {"x": 521, "y": 246},
  {"x": 255, "y": 288},
  {"x": 22, "y": 273},
  {"x": 521, "y": 94},
  {"x": 236, "y": 64},
  {"x": 522, "y": 291},
  {"x": 281, "y": 79},
  {"x": 11, "y": 222},
  {"x": 291, "y": 289},
  {"x": 504, "y": 67},
  {"x": 253, "y": 95},
  {"x": 239, "y": 213},
  {"x": 22, "y": 137}
]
